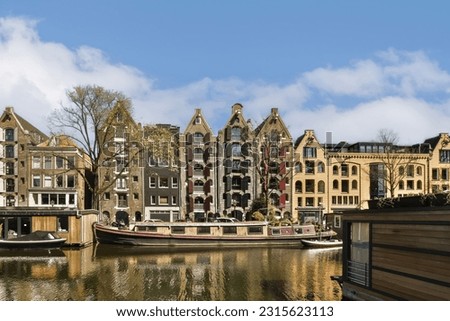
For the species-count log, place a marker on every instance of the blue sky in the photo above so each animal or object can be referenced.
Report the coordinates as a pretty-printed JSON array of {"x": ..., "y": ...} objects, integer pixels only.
[{"x": 346, "y": 67}]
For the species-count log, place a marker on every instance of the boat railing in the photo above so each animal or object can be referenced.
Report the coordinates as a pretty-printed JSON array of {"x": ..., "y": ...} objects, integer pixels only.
[{"x": 358, "y": 272}]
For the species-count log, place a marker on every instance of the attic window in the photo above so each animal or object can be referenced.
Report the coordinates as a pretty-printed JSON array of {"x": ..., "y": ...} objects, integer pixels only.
[{"x": 198, "y": 120}]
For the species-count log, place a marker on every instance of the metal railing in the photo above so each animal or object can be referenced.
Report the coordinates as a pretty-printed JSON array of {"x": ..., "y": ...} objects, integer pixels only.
[{"x": 358, "y": 272}]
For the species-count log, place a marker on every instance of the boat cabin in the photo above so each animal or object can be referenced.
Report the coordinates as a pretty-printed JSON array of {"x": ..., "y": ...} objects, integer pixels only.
[
  {"x": 224, "y": 228},
  {"x": 73, "y": 225},
  {"x": 397, "y": 254}
]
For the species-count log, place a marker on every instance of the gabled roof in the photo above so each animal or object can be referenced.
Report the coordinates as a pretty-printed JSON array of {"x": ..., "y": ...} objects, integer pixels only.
[
  {"x": 198, "y": 121},
  {"x": 24, "y": 125},
  {"x": 274, "y": 119}
]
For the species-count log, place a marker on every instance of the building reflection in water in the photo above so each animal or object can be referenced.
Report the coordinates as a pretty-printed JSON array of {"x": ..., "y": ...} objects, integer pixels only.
[{"x": 106, "y": 272}]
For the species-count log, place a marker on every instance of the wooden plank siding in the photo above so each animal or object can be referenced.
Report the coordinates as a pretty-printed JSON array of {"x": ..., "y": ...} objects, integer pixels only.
[{"x": 409, "y": 254}]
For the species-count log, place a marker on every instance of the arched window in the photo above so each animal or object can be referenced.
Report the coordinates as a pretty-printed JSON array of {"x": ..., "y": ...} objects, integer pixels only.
[
  {"x": 401, "y": 185},
  {"x": 401, "y": 170},
  {"x": 419, "y": 184},
  {"x": 335, "y": 170},
  {"x": 419, "y": 170},
  {"x": 335, "y": 184},
  {"x": 354, "y": 170},
  {"x": 354, "y": 184},
  {"x": 298, "y": 187},
  {"x": 321, "y": 187},
  {"x": 298, "y": 167}
]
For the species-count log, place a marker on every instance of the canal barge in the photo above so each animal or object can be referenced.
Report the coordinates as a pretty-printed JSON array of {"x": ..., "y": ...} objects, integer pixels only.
[
  {"x": 206, "y": 234},
  {"x": 396, "y": 254}
]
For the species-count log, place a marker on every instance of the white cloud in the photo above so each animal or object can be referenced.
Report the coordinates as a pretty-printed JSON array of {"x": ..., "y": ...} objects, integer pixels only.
[{"x": 387, "y": 91}]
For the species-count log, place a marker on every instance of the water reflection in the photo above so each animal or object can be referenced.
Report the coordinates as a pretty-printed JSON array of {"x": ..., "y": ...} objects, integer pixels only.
[{"x": 108, "y": 272}]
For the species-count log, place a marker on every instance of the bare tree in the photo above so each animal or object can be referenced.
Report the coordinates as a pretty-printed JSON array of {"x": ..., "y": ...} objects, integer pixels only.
[
  {"x": 396, "y": 160},
  {"x": 88, "y": 121}
]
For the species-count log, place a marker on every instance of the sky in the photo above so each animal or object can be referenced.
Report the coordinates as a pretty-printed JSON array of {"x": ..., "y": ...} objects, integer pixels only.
[{"x": 350, "y": 67}]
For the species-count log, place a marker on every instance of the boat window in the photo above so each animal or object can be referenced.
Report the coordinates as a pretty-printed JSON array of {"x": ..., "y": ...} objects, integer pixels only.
[
  {"x": 177, "y": 229},
  {"x": 204, "y": 230},
  {"x": 275, "y": 231},
  {"x": 255, "y": 230},
  {"x": 358, "y": 260},
  {"x": 147, "y": 228},
  {"x": 229, "y": 230}
]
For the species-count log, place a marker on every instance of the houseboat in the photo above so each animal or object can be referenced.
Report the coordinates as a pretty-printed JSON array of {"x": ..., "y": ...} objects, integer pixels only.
[
  {"x": 200, "y": 234},
  {"x": 396, "y": 254},
  {"x": 75, "y": 226}
]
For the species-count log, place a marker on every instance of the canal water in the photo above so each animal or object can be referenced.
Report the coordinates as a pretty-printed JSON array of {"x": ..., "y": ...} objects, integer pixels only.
[{"x": 116, "y": 273}]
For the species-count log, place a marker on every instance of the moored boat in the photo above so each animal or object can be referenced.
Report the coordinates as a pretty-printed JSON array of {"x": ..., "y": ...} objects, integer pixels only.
[
  {"x": 37, "y": 239},
  {"x": 196, "y": 234},
  {"x": 322, "y": 243}
]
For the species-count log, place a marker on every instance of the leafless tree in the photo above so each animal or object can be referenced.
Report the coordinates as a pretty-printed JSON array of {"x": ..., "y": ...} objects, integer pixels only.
[
  {"x": 396, "y": 160},
  {"x": 87, "y": 120}
]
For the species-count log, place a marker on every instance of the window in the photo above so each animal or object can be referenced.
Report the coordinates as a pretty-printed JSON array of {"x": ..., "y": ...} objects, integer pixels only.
[
  {"x": 36, "y": 181},
  {"x": 335, "y": 170},
  {"x": 47, "y": 162},
  {"x": 70, "y": 181},
  {"x": 410, "y": 171},
  {"x": 36, "y": 163},
  {"x": 435, "y": 174},
  {"x": 335, "y": 184},
  {"x": 309, "y": 167},
  {"x": 163, "y": 182},
  {"x": 320, "y": 167},
  {"x": 135, "y": 179},
  {"x": 298, "y": 187},
  {"x": 410, "y": 184},
  {"x": 10, "y": 200},
  {"x": 321, "y": 187},
  {"x": 152, "y": 182},
  {"x": 204, "y": 230},
  {"x": 236, "y": 150},
  {"x": 153, "y": 199},
  {"x": 309, "y": 201},
  {"x": 164, "y": 200},
  {"x": 444, "y": 173},
  {"x": 9, "y": 168},
  {"x": 59, "y": 162},
  {"x": 122, "y": 200},
  {"x": 121, "y": 183},
  {"x": 354, "y": 184},
  {"x": 444, "y": 156},
  {"x": 345, "y": 186},
  {"x": 309, "y": 152},
  {"x": 354, "y": 170},
  {"x": 136, "y": 196},
  {"x": 10, "y": 185},
  {"x": 71, "y": 199},
  {"x": 309, "y": 186},
  {"x": 9, "y": 134},
  {"x": 235, "y": 133},
  {"x": 47, "y": 181},
  {"x": 174, "y": 200},
  {"x": 70, "y": 162},
  {"x": 174, "y": 182},
  {"x": 298, "y": 167},
  {"x": 106, "y": 196},
  {"x": 9, "y": 151},
  {"x": 344, "y": 170}
]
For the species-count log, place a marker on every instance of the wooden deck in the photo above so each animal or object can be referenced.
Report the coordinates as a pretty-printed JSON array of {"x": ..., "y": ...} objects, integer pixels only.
[{"x": 404, "y": 256}]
